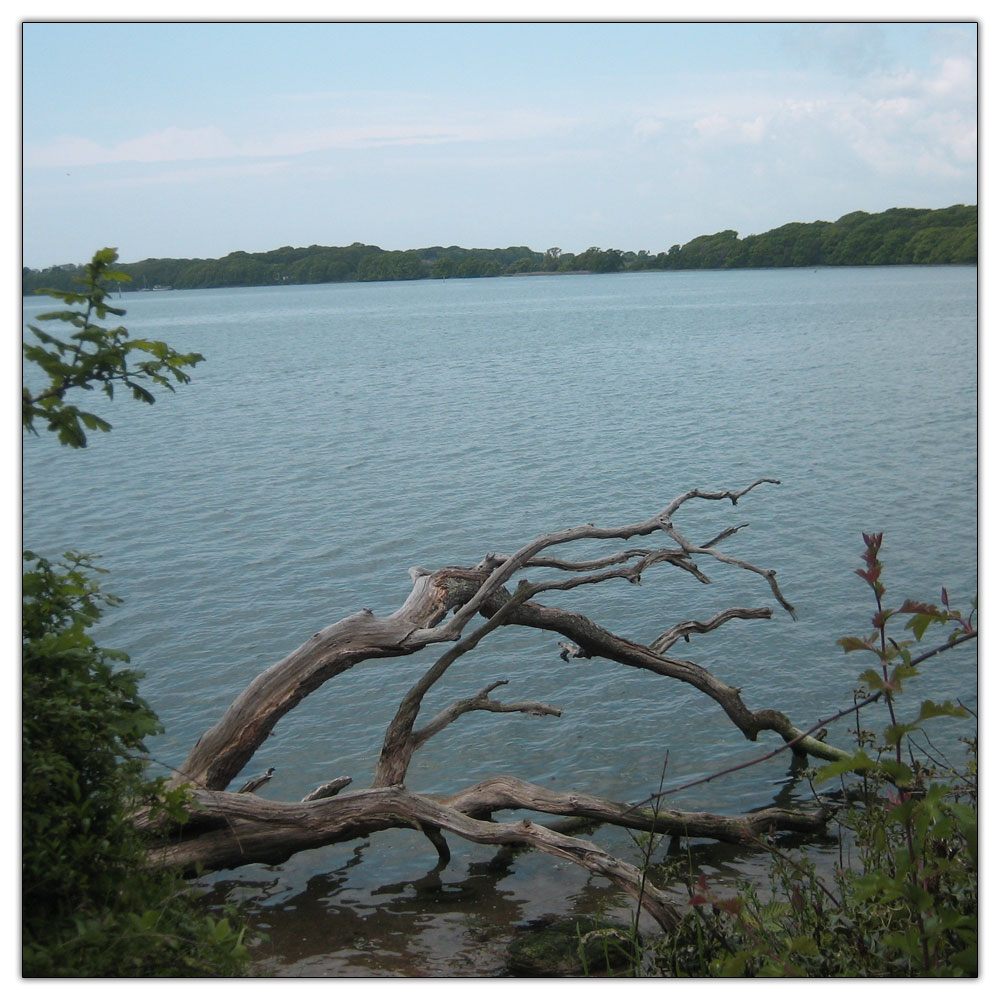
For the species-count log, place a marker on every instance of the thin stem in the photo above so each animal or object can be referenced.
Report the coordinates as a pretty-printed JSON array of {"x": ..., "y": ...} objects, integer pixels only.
[{"x": 759, "y": 760}]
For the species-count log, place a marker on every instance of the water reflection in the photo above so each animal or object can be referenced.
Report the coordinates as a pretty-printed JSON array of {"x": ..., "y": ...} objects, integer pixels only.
[{"x": 458, "y": 919}]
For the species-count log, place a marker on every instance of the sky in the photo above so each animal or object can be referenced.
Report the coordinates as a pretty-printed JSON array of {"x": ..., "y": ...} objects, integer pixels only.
[{"x": 197, "y": 139}]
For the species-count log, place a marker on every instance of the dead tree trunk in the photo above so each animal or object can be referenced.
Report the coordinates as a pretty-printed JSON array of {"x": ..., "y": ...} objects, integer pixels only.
[{"x": 227, "y": 830}]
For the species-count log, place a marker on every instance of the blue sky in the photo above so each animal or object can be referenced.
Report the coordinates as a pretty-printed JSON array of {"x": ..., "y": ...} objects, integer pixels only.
[{"x": 197, "y": 139}]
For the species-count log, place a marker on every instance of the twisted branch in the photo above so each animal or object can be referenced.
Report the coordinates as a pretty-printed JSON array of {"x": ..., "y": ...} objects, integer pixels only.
[{"x": 228, "y": 830}]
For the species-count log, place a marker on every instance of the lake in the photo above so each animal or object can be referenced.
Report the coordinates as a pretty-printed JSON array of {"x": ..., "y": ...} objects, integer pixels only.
[{"x": 338, "y": 434}]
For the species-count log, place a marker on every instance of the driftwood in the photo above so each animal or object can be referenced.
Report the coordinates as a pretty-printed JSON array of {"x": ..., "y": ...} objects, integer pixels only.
[{"x": 227, "y": 830}]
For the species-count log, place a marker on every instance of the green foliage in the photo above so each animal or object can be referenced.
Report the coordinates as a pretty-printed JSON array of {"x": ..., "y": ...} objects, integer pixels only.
[
  {"x": 908, "y": 905},
  {"x": 911, "y": 910},
  {"x": 94, "y": 356},
  {"x": 572, "y": 947},
  {"x": 90, "y": 905},
  {"x": 897, "y": 236},
  {"x": 897, "y": 664},
  {"x": 398, "y": 265},
  {"x": 597, "y": 260}
]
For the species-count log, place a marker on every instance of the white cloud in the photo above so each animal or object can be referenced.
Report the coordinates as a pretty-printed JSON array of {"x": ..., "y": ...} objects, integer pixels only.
[
  {"x": 725, "y": 129},
  {"x": 168, "y": 144},
  {"x": 895, "y": 107},
  {"x": 957, "y": 76},
  {"x": 646, "y": 128},
  {"x": 712, "y": 126},
  {"x": 174, "y": 144},
  {"x": 753, "y": 131}
]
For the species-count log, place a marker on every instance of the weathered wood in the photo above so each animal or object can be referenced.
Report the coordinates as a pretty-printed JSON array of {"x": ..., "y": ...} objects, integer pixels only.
[
  {"x": 233, "y": 830},
  {"x": 227, "y": 833},
  {"x": 506, "y": 792},
  {"x": 227, "y": 830},
  {"x": 591, "y": 640},
  {"x": 328, "y": 789},
  {"x": 228, "y": 746},
  {"x": 270, "y": 832}
]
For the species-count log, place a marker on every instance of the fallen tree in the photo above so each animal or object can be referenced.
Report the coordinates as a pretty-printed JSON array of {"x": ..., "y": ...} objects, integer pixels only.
[{"x": 457, "y": 607}]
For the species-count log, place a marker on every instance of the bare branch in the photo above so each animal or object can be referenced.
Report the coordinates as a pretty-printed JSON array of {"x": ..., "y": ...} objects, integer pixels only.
[
  {"x": 240, "y": 829},
  {"x": 769, "y": 574},
  {"x": 723, "y": 535},
  {"x": 227, "y": 830},
  {"x": 585, "y": 565},
  {"x": 506, "y": 792},
  {"x": 499, "y": 575},
  {"x": 732, "y": 495},
  {"x": 225, "y": 749},
  {"x": 398, "y": 746},
  {"x": 327, "y": 790},
  {"x": 479, "y": 702},
  {"x": 682, "y": 630}
]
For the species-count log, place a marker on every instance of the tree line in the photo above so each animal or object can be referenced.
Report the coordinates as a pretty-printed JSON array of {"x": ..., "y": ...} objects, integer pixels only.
[{"x": 896, "y": 236}]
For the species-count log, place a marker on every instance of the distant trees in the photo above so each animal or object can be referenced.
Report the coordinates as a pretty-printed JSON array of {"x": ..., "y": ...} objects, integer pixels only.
[
  {"x": 897, "y": 236},
  {"x": 523, "y": 265},
  {"x": 597, "y": 260},
  {"x": 398, "y": 265},
  {"x": 457, "y": 262},
  {"x": 706, "y": 251}
]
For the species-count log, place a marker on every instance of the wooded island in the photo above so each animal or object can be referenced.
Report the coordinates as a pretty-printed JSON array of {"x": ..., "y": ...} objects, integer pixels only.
[{"x": 896, "y": 236}]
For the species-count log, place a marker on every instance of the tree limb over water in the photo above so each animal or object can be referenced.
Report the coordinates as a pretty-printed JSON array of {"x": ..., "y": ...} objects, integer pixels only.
[{"x": 228, "y": 830}]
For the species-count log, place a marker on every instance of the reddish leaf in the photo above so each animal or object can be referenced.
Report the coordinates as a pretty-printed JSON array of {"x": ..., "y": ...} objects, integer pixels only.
[
  {"x": 872, "y": 541},
  {"x": 918, "y": 608}
]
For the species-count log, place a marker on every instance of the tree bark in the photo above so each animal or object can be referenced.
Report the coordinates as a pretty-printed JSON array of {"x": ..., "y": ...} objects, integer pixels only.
[{"x": 227, "y": 830}]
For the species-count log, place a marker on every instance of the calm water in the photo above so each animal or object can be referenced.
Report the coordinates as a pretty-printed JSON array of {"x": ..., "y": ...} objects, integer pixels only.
[{"x": 338, "y": 434}]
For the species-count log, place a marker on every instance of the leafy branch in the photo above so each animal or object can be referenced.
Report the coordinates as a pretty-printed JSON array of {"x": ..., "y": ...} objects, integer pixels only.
[
  {"x": 94, "y": 356},
  {"x": 897, "y": 664}
]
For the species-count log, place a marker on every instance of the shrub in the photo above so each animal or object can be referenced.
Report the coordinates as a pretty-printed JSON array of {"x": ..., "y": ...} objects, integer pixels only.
[
  {"x": 909, "y": 904},
  {"x": 90, "y": 905}
]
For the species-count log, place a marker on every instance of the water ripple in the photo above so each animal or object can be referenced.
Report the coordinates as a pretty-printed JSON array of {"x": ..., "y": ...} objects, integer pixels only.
[{"x": 338, "y": 434}]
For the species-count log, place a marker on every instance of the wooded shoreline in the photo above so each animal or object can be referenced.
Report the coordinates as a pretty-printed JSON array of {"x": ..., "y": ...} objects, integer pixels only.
[{"x": 896, "y": 236}]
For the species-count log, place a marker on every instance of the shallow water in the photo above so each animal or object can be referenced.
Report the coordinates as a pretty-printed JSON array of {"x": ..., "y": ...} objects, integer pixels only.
[{"x": 338, "y": 434}]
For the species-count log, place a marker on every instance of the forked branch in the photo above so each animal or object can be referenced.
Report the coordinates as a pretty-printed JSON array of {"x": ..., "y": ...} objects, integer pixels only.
[{"x": 228, "y": 830}]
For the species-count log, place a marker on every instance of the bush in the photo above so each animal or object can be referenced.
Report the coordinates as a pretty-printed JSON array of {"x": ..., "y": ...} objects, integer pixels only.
[
  {"x": 911, "y": 909},
  {"x": 909, "y": 904},
  {"x": 90, "y": 905}
]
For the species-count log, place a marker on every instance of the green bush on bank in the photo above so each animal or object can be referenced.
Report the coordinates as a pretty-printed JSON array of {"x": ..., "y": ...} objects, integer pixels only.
[
  {"x": 906, "y": 904},
  {"x": 90, "y": 905},
  {"x": 876, "y": 921}
]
